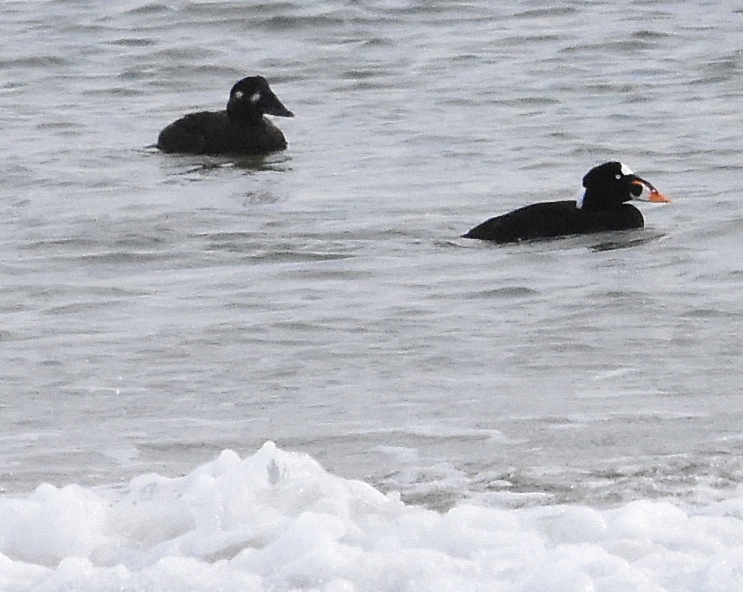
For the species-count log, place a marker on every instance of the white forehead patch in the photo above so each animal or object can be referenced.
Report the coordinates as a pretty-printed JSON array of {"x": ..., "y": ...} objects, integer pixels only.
[
  {"x": 255, "y": 97},
  {"x": 626, "y": 170}
]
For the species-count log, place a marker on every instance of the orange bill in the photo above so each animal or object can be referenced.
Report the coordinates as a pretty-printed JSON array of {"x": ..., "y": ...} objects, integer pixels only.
[
  {"x": 652, "y": 193},
  {"x": 658, "y": 197}
]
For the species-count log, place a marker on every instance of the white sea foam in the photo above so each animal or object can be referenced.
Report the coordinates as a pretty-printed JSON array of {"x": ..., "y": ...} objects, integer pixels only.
[{"x": 278, "y": 521}]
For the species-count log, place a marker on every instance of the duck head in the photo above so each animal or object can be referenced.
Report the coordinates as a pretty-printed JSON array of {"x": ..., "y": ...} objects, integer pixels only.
[
  {"x": 611, "y": 184},
  {"x": 251, "y": 97}
]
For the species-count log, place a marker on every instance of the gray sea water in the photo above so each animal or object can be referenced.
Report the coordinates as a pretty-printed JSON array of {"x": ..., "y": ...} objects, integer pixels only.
[{"x": 157, "y": 309}]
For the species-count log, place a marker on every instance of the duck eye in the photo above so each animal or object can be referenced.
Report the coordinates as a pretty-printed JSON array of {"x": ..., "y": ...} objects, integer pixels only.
[
  {"x": 238, "y": 94},
  {"x": 618, "y": 176},
  {"x": 255, "y": 97}
]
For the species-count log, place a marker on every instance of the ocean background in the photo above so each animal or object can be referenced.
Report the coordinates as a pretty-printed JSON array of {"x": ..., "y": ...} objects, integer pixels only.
[{"x": 290, "y": 373}]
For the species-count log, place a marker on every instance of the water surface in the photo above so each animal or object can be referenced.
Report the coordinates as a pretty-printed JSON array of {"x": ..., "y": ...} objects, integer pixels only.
[{"x": 158, "y": 309}]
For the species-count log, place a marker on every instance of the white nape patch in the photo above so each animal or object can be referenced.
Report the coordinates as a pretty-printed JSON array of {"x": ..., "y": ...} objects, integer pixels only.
[
  {"x": 626, "y": 170},
  {"x": 579, "y": 198},
  {"x": 238, "y": 94},
  {"x": 255, "y": 97}
]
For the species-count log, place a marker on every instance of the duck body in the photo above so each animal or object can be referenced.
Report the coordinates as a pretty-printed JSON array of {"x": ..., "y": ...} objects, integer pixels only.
[
  {"x": 212, "y": 132},
  {"x": 241, "y": 129},
  {"x": 553, "y": 219},
  {"x": 602, "y": 208}
]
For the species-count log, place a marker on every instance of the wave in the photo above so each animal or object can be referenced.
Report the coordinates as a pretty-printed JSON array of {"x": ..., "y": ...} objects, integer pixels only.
[{"x": 278, "y": 521}]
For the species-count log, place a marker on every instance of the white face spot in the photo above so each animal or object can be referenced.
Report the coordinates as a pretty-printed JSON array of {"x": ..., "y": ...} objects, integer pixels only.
[
  {"x": 255, "y": 97},
  {"x": 626, "y": 171}
]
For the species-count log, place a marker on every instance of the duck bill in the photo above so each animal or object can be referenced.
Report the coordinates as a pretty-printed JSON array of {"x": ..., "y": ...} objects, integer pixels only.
[
  {"x": 649, "y": 193},
  {"x": 657, "y": 197},
  {"x": 280, "y": 111},
  {"x": 272, "y": 106}
]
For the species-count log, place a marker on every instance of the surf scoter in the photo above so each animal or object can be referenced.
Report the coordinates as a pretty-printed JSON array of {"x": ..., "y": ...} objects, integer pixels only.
[
  {"x": 602, "y": 207},
  {"x": 240, "y": 129}
]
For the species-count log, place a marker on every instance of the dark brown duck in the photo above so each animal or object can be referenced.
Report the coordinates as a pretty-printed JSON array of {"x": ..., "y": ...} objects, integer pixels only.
[{"x": 240, "y": 129}]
